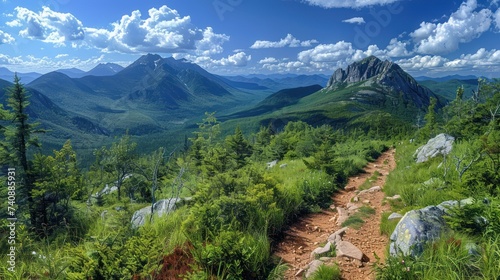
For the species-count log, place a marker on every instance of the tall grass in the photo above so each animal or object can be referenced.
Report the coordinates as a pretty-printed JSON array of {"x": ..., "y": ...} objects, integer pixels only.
[{"x": 327, "y": 272}]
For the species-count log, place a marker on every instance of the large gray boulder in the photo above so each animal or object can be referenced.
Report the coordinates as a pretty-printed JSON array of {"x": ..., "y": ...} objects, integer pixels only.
[
  {"x": 160, "y": 208},
  {"x": 417, "y": 227},
  {"x": 439, "y": 145}
]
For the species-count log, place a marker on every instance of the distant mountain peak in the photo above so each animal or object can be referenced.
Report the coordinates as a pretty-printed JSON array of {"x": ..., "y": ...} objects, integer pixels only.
[
  {"x": 105, "y": 69},
  {"x": 361, "y": 71},
  {"x": 374, "y": 72}
]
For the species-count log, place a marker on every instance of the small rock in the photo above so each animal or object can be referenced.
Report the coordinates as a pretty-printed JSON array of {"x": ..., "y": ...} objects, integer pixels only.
[
  {"x": 299, "y": 272},
  {"x": 350, "y": 188},
  {"x": 343, "y": 215},
  {"x": 371, "y": 190},
  {"x": 352, "y": 206},
  {"x": 355, "y": 199},
  {"x": 366, "y": 201},
  {"x": 394, "y": 216},
  {"x": 313, "y": 267},
  {"x": 336, "y": 237},
  {"x": 347, "y": 249},
  {"x": 325, "y": 259},
  {"x": 395, "y": 197},
  {"x": 321, "y": 250}
]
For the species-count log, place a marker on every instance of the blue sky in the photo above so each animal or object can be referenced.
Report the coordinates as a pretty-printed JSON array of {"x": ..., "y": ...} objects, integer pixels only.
[{"x": 229, "y": 37}]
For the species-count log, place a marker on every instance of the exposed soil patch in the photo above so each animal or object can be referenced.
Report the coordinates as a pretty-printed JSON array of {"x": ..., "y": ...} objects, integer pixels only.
[{"x": 312, "y": 231}]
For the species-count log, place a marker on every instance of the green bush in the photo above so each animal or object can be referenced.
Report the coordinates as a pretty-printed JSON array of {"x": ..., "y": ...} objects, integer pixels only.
[{"x": 235, "y": 255}]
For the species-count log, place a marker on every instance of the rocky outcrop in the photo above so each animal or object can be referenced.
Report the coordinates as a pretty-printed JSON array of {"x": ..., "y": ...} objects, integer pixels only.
[
  {"x": 159, "y": 208},
  {"x": 439, "y": 145},
  {"x": 387, "y": 74},
  {"x": 417, "y": 227}
]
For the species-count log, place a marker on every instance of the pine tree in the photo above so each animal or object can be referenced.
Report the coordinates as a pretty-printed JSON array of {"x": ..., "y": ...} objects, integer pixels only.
[
  {"x": 18, "y": 138},
  {"x": 58, "y": 179},
  {"x": 430, "y": 128},
  {"x": 239, "y": 147}
]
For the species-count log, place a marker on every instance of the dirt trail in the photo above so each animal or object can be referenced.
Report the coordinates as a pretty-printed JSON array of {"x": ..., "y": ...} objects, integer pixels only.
[{"x": 312, "y": 231}]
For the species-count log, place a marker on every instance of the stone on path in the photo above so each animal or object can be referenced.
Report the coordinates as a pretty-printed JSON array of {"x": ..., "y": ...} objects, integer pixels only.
[
  {"x": 313, "y": 267},
  {"x": 343, "y": 215},
  {"x": 336, "y": 237},
  {"x": 347, "y": 249},
  {"x": 370, "y": 190},
  {"x": 321, "y": 250}
]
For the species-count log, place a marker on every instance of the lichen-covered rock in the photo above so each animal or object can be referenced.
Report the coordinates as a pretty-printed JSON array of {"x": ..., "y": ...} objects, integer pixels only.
[
  {"x": 439, "y": 145},
  {"x": 415, "y": 229},
  {"x": 418, "y": 227}
]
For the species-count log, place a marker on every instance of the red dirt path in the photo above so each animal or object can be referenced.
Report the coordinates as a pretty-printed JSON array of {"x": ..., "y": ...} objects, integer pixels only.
[{"x": 311, "y": 230}]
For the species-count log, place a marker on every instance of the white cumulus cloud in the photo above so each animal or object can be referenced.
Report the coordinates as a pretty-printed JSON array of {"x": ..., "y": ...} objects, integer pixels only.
[
  {"x": 6, "y": 38},
  {"x": 14, "y": 23},
  {"x": 239, "y": 59},
  {"x": 497, "y": 19},
  {"x": 355, "y": 20},
  {"x": 268, "y": 60},
  {"x": 348, "y": 3},
  {"x": 327, "y": 53},
  {"x": 164, "y": 30},
  {"x": 288, "y": 41},
  {"x": 463, "y": 26},
  {"x": 49, "y": 26}
]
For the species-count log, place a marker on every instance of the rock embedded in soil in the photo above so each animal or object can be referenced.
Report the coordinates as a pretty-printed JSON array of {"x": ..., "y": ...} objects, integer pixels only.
[
  {"x": 313, "y": 267},
  {"x": 321, "y": 250},
  {"x": 347, "y": 249},
  {"x": 343, "y": 215},
  {"x": 336, "y": 237}
]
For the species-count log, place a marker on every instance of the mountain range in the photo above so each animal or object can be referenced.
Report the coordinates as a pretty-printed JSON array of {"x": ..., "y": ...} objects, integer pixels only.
[
  {"x": 368, "y": 93},
  {"x": 161, "y": 99}
]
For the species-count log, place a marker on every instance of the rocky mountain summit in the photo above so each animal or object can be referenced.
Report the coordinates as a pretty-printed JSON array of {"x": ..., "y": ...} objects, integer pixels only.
[{"x": 373, "y": 72}]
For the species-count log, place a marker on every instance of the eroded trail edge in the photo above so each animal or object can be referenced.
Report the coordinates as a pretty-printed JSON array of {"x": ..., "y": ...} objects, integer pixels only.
[{"x": 313, "y": 231}]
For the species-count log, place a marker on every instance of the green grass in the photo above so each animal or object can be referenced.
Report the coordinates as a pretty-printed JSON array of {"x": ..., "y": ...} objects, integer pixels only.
[
  {"x": 370, "y": 182},
  {"x": 356, "y": 220},
  {"x": 327, "y": 272},
  {"x": 387, "y": 226}
]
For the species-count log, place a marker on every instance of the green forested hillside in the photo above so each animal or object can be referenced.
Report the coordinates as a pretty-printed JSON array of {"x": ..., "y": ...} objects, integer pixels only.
[{"x": 448, "y": 89}]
